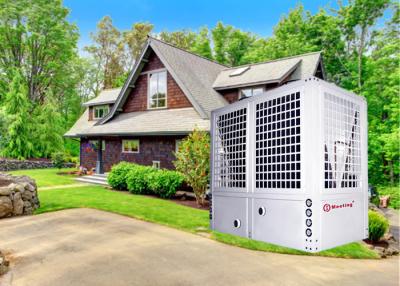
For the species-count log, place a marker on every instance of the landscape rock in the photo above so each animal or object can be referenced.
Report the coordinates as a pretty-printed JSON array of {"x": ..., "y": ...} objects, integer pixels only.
[
  {"x": 18, "y": 195},
  {"x": 11, "y": 164},
  {"x": 4, "y": 264}
]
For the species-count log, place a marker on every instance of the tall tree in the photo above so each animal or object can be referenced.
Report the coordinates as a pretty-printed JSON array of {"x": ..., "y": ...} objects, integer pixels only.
[
  {"x": 183, "y": 39},
  {"x": 382, "y": 93},
  {"x": 356, "y": 19},
  {"x": 36, "y": 39},
  {"x": 19, "y": 132},
  {"x": 135, "y": 39},
  {"x": 202, "y": 44},
  {"x": 231, "y": 45},
  {"x": 107, "y": 51}
]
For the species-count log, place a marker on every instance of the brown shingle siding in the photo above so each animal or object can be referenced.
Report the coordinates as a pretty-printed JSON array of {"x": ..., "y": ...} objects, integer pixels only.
[{"x": 137, "y": 100}]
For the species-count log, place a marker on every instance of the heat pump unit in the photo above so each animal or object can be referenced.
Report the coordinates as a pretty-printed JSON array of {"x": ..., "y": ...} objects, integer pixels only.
[{"x": 289, "y": 167}]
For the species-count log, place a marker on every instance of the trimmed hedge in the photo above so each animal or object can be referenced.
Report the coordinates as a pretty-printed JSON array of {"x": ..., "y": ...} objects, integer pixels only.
[
  {"x": 377, "y": 226},
  {"x": 139, "y": 179},
  {"x": 136, "y": 179},
  {"x": 117, "y": 177},
  {"x": 164, "y": 183}
]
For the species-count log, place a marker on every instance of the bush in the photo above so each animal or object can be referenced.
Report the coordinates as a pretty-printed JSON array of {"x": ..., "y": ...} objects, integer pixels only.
[
  {"x": 164, "y": 183},
  {"x": 377, "y": 226},
  {"x": 136, "y": 179},
  {"x": 393, "y": 192},
  {"x": 118, "y": 175},
  {"x": 58, "y": 159},
  {"x": 193, "y": 161}
]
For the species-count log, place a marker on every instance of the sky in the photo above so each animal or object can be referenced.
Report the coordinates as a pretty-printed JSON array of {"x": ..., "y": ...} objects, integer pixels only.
[{"x": 254, "y": 16}]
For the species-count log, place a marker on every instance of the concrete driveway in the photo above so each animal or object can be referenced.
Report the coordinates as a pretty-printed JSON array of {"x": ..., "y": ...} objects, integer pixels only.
[{"x": 90, "y": 247}]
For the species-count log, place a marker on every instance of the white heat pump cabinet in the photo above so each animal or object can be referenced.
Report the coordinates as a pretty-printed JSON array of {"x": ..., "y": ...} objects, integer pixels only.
[{"x": 289, "y": 167}]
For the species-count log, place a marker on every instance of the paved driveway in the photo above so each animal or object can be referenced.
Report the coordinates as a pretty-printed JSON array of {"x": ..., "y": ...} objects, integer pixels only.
[{"x": 90, "y": 247}]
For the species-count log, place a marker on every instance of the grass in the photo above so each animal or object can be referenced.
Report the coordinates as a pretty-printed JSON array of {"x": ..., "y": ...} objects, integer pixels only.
[
  {"x": 170, "y": 214},
  {"x": 48, "y": 177},
  {"x": 394, "y": 193}
]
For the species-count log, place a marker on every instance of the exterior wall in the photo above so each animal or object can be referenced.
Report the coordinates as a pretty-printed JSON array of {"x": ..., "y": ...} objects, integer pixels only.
[
  {"x": 137, "y": 100},
  {"x": 151, "y": 148},
  {"x": 232, "y": 95}
]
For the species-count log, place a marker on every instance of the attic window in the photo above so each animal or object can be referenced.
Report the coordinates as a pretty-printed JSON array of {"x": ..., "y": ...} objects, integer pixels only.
[{"x": 239, "y": 71}]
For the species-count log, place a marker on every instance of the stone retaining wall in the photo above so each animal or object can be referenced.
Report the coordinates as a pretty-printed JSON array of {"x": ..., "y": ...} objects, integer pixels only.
[
  {"x": 18, "y": 195},
  {"x": 11, "y": 165}
]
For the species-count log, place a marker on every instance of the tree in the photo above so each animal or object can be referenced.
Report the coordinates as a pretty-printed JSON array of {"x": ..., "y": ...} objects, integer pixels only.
[
  {"x": 183, "y": 39},
  {"x": 135, "y": 39},
  {"x": 193, "y": 161},
  {"x": 19, "y": 132},
  {"x": 356, "y": 19},
  {"x": 107, "y": 51},
  {"x": 230, "y": 44},
  {"x": 37, "y": 40},
  {"x": 202, "y": 45}
]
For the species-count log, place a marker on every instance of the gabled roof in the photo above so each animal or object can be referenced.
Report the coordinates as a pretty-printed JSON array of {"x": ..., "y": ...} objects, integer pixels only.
[
  {"x": 276, "y": 71},
  {"x": 155, "y": 122},
  {"x": 194, "y": 75},
  {"x": 106, "y": 96}
]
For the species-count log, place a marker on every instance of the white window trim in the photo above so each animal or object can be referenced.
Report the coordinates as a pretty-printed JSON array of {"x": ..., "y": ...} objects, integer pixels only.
[
  {"x": 252, "y": 88},
  {"x": 148, "y": 88},
  {"x": 177, "y": 143},
  {"x": 100, "y": 106},
  {"x": 157, "y": 162},
  {"x": 131, "y": 152}
]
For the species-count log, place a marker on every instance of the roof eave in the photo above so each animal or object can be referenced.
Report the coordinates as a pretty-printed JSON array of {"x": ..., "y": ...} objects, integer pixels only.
[
  {"x": 246, "y": 84},
  {"x": 154, "y": 133},
  {"x": 87, "y": 104}
]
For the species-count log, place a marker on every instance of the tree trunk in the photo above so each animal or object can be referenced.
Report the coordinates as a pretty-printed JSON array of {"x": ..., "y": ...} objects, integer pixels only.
[{"x": 360, "y": 56}]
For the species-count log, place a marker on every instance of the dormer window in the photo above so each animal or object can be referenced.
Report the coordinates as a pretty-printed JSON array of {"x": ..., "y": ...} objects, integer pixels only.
[
  {"x": 100, "y": 111},
  {"x": 249, "y": 92},
  {"x": 157, "y": 90}
]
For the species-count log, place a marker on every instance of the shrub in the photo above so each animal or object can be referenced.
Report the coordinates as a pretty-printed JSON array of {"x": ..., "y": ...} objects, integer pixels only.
[
  {"x": 164, "y": 183},
  {"x": 118, "y": 175},
  {"x": 193, "y": 161},
  {"x": 377, "y": 226},
  {"x": 58, "y": 159},
  {"x": 136, "y": 179}
]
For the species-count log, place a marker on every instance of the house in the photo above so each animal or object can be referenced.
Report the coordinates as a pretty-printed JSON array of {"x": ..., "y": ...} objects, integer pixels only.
[{"x": 170, "y": 92}]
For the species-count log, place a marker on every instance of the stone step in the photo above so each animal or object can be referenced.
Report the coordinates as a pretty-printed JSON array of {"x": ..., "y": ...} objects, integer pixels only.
[{"x": 93, "y": 180}]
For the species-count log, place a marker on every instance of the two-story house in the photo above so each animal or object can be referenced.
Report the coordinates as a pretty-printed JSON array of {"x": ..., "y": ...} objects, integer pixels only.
[{"x": 170, "y": 92}]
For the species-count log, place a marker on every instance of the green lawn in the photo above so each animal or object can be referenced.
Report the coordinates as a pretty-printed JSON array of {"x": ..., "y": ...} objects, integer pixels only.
[
  {"x": 170, "y": 214},
  {"x": 47, "y": 177},
  {"x": 394, "y": 193}
]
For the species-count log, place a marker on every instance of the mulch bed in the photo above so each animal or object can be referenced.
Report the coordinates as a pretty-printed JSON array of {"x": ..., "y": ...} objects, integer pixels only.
[{"x": 191, "y": 203}]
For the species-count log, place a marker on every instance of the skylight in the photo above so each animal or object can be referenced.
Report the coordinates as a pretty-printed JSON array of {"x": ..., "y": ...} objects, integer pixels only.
[{"x": 239, "y": 71}]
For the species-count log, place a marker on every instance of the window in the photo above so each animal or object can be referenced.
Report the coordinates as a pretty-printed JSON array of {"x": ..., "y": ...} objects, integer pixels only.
[
  {"x": 100, "y": 111},
  {"x": 248, "y": 92},
  {"x": 177, "y": 143},
  {"x": 130, "y": 146},
  {"x": 95, "y": 143},
  {"x": 156, "y": 164},
  {"x": 157, "y": 90}
]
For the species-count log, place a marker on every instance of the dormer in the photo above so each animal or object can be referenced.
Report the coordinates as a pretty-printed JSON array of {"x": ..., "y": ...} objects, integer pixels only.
[{"x": 101, "y": 105}]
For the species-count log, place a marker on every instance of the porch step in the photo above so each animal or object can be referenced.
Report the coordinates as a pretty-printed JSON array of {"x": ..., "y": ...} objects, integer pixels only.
[{"x": 99, "y": 179}]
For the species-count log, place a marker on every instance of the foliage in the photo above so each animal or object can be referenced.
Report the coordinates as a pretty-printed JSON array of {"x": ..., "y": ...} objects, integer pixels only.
[
  {"x": 19, "y": 132},
  {"x": 377, "y": 226},
  {"x": 118, "y": 175},
  {"x": 394, "y": 193},
  {"x": 136, "y": 180},
  {"x": 58, "y": 159},
  {"x": 193, "y": 161},
  {"x": 183, "y": 39},
  {"x": 164, "y": 183},
  {"x": 173, "y": 215}
]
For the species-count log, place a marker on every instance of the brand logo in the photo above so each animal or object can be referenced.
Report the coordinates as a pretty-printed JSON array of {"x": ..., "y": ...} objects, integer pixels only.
[{"x": 329, "y": 207}]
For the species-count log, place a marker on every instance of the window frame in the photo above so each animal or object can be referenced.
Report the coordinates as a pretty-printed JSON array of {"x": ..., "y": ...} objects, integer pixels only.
[
  {"x": 130, "y": 152},
  {"x": 252, "y": 91},
  {"x": 155, "y": 163},
  {"x": 97, "y": 107},
  {"x": 177, "y": 143},
  {"x": 148, "y": 88},
  {"x": 95, "y": 143}
]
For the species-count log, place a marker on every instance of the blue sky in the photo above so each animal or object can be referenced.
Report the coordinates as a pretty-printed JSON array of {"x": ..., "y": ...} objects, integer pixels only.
[{"x": 256, "y": 16}]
